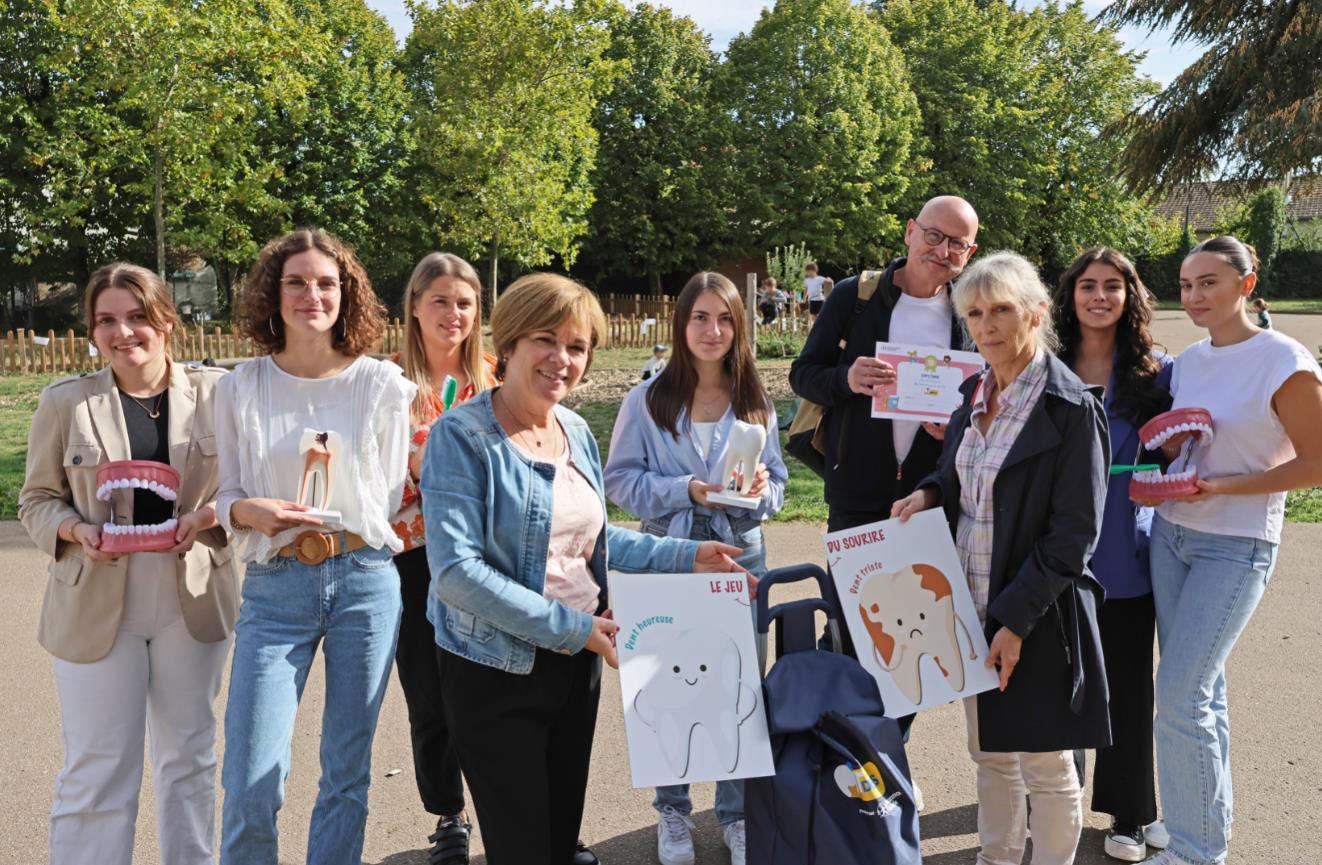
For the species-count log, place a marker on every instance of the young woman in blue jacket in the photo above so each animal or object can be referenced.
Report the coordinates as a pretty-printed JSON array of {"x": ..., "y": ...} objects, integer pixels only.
[{"x": 668, "y": 453}]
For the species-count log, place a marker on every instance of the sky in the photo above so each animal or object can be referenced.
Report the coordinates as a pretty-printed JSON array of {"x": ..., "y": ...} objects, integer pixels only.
[{"x": 724, "y": 19}]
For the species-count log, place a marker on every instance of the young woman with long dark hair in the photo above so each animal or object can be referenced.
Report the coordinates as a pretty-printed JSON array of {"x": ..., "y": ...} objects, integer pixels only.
[
  {"x": 668, "y": 453},
  {"x": 1103, "y": 319}
]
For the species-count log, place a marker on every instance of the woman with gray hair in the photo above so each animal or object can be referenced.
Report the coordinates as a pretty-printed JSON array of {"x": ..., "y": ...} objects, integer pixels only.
[{"x": 1022, "y": 478}]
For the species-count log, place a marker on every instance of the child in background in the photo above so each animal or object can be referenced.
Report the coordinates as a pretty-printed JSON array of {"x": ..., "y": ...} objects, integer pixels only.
[
  {"x": 1264, "y": 318},
  {"x": 656, "y": 362}
]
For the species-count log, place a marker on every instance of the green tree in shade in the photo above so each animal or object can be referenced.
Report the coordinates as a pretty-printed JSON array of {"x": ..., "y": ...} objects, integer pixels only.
[
  {"x": 1248, "y": 107},
  {"x": 181, "y": 84},
  {"x": 502, "y": 94},
  {"x": 659, "y": 205},
  {"x": 335, "y": 159},
  {"x": 824, "y": 128}
]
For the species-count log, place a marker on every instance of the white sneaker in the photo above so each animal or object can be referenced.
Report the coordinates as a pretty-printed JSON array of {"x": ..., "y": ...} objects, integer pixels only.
[
  {"x": 1126, "y": 843},
  {"x": 674, "y": 838},
  {"x": 734, "y": 839},
  {"x": 1156, "y": 836}
]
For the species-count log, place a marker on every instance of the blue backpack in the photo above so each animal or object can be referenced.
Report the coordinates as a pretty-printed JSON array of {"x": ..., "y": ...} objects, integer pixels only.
[{"x": 841, "y": 793}]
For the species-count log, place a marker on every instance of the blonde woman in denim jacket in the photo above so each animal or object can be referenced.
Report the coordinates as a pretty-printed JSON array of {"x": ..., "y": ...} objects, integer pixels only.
[{"x": 518, "y": 544}]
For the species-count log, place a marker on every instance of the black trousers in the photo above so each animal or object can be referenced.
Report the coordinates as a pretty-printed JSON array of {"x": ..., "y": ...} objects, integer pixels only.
[
  {"x": 435, "y": 765},
  {"x": 525, "y": 743},
  {"x": 839, "y": 520},
  {"x": 1122, "y": 783}
]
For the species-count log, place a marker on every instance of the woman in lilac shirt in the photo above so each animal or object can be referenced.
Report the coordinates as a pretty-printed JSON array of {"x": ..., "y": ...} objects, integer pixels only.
[{"x": 1102, "y": 315}]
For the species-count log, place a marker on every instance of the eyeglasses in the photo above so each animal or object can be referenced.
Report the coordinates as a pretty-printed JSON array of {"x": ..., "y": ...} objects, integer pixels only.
[
  {"x": 296, "y": 286},
  {"x": 933, "y": 237}
]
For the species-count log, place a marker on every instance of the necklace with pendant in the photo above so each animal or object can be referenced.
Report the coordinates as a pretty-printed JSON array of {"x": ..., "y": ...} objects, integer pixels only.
[{"x": 155, "y": 411}]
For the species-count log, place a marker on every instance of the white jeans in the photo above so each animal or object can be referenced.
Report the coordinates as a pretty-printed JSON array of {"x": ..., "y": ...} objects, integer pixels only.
[
  {"x": 157, "y": 679},
  {"x": 1049, "y": 779}
]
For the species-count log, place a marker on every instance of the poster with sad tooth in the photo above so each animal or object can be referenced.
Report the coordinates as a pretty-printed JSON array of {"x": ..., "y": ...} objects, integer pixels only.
[
  {"x": 689, "y": 678},
  {"x": 909, "y": 611}
]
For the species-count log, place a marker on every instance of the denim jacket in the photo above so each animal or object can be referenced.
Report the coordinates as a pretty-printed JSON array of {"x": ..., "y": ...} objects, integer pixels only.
[{"x": 487, "y": 508}]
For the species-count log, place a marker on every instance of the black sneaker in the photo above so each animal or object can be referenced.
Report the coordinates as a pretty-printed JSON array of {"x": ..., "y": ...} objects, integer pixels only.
[
  {"x": 584, "y": 856},
  {"x": 1125, "y": 842},
  {"x": 449, "y": 843}
]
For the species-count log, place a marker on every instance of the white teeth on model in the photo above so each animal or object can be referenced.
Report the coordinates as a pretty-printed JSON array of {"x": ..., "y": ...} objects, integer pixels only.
[{"x": 157, "y": 528}]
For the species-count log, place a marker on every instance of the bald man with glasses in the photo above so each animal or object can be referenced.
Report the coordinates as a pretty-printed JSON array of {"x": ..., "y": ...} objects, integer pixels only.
[{"x": 871, "y": 463}]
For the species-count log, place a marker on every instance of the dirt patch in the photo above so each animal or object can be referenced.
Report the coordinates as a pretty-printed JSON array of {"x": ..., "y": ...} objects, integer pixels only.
[{"x": 610, "y": 385}]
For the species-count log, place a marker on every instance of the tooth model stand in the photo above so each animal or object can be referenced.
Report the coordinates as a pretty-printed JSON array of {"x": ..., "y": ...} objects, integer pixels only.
[
  {"x": 320, "y": 451},
  {"x": 740, "y": 471},
  {"x": 115, "y": 483},
  {"x": 1155, "y": 433}
]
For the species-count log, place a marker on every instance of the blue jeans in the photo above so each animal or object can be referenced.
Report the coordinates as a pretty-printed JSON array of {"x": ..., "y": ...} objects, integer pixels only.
[
  {"x": 350, "y": 603},
  {"x": 1206, "y": 588},
  {"x": 729, "y": 794}
]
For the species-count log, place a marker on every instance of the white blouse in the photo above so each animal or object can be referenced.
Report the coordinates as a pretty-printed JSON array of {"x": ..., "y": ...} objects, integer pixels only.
[{"x": 265, "y": 416}]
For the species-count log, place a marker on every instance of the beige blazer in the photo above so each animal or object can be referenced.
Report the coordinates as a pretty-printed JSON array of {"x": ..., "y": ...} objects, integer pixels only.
[{"x": 79, "y": 424}]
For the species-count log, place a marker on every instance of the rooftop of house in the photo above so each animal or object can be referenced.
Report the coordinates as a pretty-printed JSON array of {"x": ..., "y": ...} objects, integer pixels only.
[{"x": 1205, "y": 201}]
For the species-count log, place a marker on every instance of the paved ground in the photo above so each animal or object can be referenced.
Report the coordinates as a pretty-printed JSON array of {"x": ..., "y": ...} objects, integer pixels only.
[
  {"x": 1275, "y": 699},
  {"x": 1173, "y": 329}
]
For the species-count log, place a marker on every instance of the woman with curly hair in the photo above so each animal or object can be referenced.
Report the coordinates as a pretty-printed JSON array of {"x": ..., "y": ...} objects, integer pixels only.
[
  {"x": 1102, "y": 315},
  {"x": 313, "y": 444}
]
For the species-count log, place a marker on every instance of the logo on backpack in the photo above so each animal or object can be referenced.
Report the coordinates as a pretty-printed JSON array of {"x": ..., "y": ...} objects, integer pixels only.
[{"x": 865, "y": 784}]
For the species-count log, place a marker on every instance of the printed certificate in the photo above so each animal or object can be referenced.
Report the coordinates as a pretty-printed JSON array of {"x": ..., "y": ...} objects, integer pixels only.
[{"x": 927, "y": 380}]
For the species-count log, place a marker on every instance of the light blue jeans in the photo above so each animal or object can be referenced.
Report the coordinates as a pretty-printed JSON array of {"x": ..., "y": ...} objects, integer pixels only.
[
  {"x": 1206, "y": 588},
  {"x": 351, "y": 605},
  {"x": 729, "y": 794}
]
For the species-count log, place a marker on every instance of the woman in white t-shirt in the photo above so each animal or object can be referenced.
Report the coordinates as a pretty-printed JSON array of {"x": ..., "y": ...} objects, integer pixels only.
[
  {"x": 1213, "y": 553},
  {"x": 313, "y": 446},
  {"x": 667, "y": 455}
]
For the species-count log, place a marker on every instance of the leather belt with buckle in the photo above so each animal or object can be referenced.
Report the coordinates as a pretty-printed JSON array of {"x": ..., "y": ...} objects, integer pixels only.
[{"x": 313, "y": 548}]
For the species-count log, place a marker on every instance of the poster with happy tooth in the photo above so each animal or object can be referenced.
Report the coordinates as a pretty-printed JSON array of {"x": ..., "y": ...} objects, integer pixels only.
[
  {"x": 689, "y": 678},
  {"x": 909, "y": 611},
  {"x": 927, "y": 380}
]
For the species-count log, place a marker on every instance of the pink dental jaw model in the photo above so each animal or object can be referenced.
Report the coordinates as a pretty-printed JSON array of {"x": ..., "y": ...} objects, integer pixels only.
[
  {"x": 1147, "y": 485},
  {"x": 129, "y": 475}
]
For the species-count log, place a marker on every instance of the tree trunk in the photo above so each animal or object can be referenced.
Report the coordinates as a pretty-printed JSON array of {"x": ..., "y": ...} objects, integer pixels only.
[
  {"x": 158, "y": 210},
  {"x": 654, "y": 282},
  {"x": 494, "y": 260}
]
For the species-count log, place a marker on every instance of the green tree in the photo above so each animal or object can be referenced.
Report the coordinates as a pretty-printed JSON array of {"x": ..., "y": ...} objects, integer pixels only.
[
  {"x": 824, "y": 125},
  {"x": 1084, "y": 81},
  {"x": 502, "y": 94},
  {"x": 1266, "y": 223},
  {"x": 981, "y": 134},
  {"x": 658, "y": 204},
  {"x": 181, "y": 83},
  {"x": 1015, "y": 105},
  {"x": 335, "y": 159},
  {"x": 1248, "y": 106}
]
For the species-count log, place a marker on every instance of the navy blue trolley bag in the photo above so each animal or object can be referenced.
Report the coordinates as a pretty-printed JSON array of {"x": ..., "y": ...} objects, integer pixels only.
[{"x": 841, "y": 793}]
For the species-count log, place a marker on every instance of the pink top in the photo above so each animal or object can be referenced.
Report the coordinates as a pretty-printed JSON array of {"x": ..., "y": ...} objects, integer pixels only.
[{"x": 577, "y": 519}]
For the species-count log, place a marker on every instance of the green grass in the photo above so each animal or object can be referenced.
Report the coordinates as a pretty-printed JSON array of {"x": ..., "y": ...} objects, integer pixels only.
[
  {"x": 1286, "y": 305},
  {"x": 1304, "y": 506},
  {"x": 18, "y": 400}
]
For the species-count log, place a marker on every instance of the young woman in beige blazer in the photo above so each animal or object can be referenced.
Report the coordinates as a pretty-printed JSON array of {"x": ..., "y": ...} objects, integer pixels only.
[{"x": 139, "y": 640}]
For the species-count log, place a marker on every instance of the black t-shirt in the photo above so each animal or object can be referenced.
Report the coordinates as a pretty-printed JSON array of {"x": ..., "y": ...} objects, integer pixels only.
[{"x": 149, "y": 439}]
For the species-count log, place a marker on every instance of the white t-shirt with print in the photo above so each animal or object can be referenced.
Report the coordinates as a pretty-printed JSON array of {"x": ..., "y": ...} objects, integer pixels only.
[{"x": 1236, "y": 384}]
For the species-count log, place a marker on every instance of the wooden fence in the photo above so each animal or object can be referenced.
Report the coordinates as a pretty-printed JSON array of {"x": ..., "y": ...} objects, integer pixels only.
[{"x": 26, "y": 352}]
